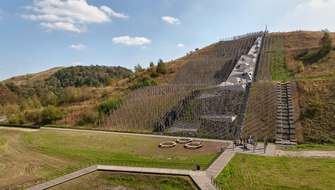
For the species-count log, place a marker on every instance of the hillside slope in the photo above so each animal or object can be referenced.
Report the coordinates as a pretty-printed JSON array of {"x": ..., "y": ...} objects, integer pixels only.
[{"x": 293, "y": 56}]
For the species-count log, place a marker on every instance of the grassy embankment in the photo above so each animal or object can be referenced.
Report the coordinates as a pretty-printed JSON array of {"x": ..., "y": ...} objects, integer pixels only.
[
  {"x": 278, "y": 67},
  {"x": 250, "y": 172}
]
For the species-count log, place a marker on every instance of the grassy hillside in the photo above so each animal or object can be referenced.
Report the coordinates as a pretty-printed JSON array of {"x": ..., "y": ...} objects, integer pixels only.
[
  {"x": 77, "y": 93},
  {"x": 300, "y": 57}
]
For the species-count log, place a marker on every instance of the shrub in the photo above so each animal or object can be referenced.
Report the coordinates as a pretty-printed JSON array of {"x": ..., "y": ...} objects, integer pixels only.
[
  {"x": 161, "y": 67},
  {"x": 73, "y": 95},
  {"x": 315, "y": 56},
  {"x": 300, "y": 67},
  {"x": 154, "y": 74},
  {"x": 33, "y": 116},
  {"x": 143, "y": 82},
  {"x": 301, "y": 54},
  {"x": 16, "y": 119},
  {"x": 107, "y": 107},
  {"x": 138, "y": 68},
  {"x": 89, "y": 117},
  {"x": 49, "y": 98},
  {"x": 51, "y": 114},
  {"x": 326, "y": 44}
]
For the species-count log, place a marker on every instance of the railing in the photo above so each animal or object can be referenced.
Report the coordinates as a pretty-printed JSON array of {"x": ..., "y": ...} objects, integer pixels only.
[{"x": 241, "y": 36}]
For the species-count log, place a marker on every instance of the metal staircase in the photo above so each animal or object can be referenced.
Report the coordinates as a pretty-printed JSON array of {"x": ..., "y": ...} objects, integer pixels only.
[{"x": 285, "y": 124}]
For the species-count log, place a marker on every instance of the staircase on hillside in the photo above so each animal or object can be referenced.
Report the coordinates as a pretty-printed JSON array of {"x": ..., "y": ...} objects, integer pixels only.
[{"x": 285, "y": 124}]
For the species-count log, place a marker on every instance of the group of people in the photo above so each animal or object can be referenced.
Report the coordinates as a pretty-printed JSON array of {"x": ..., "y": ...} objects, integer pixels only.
[{"x": 244, "y": 142}]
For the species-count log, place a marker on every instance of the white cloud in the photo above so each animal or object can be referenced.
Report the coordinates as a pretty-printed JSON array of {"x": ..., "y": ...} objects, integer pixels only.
[
  {"x": 63, "y": 26},
  {"x": 78, "y": 46},
  {"x": 110, "y": 12},
  {"x": 180, "y": 45},
  {"x": 131, "y": 41},
  {"x": 311, "y": 15},
  {"x": 171, "y": 20},
  {"x": 69, "y": 15}
]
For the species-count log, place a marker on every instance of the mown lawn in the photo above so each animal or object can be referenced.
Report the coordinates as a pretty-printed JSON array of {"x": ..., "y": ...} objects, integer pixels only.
[
  {"x": 250, "y": 172},
  {"x": 128, "y": 181},
  {"x": 320, "y": 147},
  {"x": 49, "y": 153}
]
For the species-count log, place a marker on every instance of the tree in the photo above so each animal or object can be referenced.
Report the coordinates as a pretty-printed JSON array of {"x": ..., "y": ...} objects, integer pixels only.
[
  {"x": 161, "y": 67},
  {"x": 152, "y": 64},
  {"x": 326, "y": 44},
  {"x": 107, "y": 107},
  {"x": 138, "y": 68},
  {"x": 50, "y": 114}
]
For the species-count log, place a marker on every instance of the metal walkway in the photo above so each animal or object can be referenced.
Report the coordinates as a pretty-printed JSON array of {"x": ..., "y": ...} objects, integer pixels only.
[{"x": 285, "y": 133}]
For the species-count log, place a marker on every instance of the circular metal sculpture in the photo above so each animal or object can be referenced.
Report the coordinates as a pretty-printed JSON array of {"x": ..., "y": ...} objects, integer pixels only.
[
  {"x": 167, "y": 144},
  {"x": 184, "y": 140},
  {"x": 193, "y": 145}
]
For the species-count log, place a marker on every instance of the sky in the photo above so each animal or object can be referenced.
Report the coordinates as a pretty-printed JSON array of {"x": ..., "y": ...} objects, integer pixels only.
[{"x": 36, "y": 35}]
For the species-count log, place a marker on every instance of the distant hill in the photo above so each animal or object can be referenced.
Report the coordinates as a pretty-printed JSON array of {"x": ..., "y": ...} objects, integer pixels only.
[{"x": 79, "y": 76}]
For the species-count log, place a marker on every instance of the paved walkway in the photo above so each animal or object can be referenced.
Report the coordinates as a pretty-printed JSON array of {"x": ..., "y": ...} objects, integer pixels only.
[
  {"x": 199, "y": 177},
  {"x": 220, "y": 163},
  {"x": 64, "y": 178},
  {"x": 270, "y": 150}
]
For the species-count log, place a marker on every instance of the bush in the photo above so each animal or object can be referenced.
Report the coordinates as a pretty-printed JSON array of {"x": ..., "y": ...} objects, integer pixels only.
[
  {"x": 300, "y": 67},
  {"x": 89, "y": 117},
  {"x": 33, "y": 116},
  {"x": 49, "y": 98},
  {"x": 138, "y": 68},
  {"x": 154, "y": 74},
  {"x": 301, "y": 54},
  {"x": 109, "y": 106},
  {"x": 161, "y": 67},
  {"x": 315, "y": 56},
  {"x": 143, "y": 82},
  {"x": 73, "y": 95},
  {"x": 16, "y": 119},
  {"x": 50, "y": 114},
  {"x": 326, "y": 44}
]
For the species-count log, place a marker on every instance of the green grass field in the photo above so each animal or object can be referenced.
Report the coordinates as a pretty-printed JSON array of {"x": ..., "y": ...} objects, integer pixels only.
[
  {"x": 249, "y": 172},
  {"x": 128, "y": 181},
  {"x": 319, "y": 147},
  {"x": 32, "y": 157}
]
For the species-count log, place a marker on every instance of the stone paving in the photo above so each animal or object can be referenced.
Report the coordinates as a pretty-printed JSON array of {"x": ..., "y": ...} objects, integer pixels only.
[{"x": 217, "y": 166}]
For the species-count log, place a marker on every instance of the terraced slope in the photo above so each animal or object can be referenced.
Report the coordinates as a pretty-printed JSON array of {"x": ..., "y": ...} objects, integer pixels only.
[
  {"x": 260, "y": 120},
  {"x": 145, "y": 111}
]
